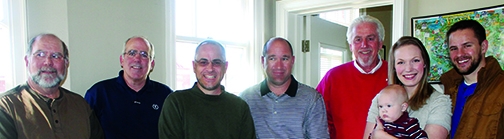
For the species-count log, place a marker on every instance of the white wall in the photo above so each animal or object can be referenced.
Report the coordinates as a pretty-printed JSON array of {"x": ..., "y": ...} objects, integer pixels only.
[
  {"x": 417, "y": 8},
  {"x": 95, "y": 32}
]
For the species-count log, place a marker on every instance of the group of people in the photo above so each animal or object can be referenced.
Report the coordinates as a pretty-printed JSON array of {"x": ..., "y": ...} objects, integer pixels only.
[
  {"x": 471, "y": 105},
  {"x": 366, "y": 98}
]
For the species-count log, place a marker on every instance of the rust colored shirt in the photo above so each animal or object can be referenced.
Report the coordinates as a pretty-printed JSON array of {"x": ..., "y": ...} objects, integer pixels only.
[{"x": 24, "y": 114}]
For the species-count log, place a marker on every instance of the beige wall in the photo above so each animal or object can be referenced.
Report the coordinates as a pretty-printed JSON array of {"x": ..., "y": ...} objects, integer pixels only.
[
  {"x": 384, "y": 14},
  {"x": 95, "y": 32},
  {"x": 417, "y": 8}
]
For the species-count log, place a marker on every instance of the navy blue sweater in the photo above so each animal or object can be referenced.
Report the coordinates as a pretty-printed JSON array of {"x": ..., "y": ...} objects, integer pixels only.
[{"x": 124, "y": 113}]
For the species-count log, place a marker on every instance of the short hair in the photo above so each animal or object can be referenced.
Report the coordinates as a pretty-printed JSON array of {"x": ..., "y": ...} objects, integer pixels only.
[
  {"x": 273, "y": 39},
  {"x": 366, "y": 19},
  {"x": 213, "y": 42},
  {"x": 398, "y": 91},
  {"x": 152, "y": 52},
  {"x": 36, "y": 38},
  {"x": 475, "y": 26},
  {"x": 424, "y": 90}
]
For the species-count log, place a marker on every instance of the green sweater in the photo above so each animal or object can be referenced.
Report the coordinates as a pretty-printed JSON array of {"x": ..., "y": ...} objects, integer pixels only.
[{"x": 191, "y": 114}]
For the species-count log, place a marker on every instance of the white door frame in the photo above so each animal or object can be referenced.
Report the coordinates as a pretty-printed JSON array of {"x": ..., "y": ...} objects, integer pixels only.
[{"x": 289, "y": 20}]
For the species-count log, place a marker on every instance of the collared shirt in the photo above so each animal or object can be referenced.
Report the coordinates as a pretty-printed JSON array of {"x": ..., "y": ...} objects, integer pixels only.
[
  {"x": 370, "y": 72},
  {"x": 298, "y": 113},
  {"x": 125, "y": 113},
  {"x": 291, "y": 91}
]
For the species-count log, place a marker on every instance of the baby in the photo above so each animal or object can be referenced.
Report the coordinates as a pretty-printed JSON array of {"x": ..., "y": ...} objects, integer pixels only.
[{"x": 392, "y": 105}]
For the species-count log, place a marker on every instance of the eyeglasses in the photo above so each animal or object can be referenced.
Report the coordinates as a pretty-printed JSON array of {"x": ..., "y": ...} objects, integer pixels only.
[
  {"x": 43, "y": 55},
  {"x": 133, "y": 53},
  {"x": 205, "y": 62}
]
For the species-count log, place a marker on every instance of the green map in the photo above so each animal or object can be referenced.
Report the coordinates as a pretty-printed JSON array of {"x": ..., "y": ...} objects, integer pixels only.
[{"x": 432, "y": 30}]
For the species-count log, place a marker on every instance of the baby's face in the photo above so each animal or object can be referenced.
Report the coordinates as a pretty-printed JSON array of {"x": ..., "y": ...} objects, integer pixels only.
[{"x": 390, "y": 107}]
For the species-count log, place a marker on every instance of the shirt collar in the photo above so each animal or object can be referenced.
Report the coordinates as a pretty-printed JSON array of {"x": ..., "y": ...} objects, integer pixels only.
[
  {"x": 373, "y": 70},
  {"x": 148, "y": 82},
  {"x": 47, "y": 100},
  {"x": 291, "y": 91}
]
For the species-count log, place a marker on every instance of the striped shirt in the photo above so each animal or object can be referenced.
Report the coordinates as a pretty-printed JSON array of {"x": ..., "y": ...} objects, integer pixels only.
[
  {"x": 298, "y": 113},
  {"x": 404, "y": 128}
]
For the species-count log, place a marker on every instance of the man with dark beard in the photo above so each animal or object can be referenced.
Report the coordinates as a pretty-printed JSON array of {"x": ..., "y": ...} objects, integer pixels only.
[
  {"x": 41, "y": 108},
  {"x": 206, "y": 110},
  {"x": 475, "y": 84}
]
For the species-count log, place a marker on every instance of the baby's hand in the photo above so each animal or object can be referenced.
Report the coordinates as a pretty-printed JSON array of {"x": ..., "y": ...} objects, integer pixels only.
[
  {"x": 379, "y": 125},
  {"x": 378, "y": 132}
]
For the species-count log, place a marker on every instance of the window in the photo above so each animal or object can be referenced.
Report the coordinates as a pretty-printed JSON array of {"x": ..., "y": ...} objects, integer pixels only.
[
  {"x": 227, "y": 21},
  {"x": 342, "y": 17},
  {"x": 6, "y": 79},
  {"x": 330, "y": 57},
  {"x": 12, "y": 43}
]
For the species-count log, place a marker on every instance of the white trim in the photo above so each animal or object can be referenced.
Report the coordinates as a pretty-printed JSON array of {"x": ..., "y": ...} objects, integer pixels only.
[
  {"x": 19, "y": 39},
  {"x": 398, "y": 19},
  {"x": 289, "y": 12},
  {"x": 171, "y": 75},
  {"x": 317, "y": 6},
  {"x": 259, "y": 38}
]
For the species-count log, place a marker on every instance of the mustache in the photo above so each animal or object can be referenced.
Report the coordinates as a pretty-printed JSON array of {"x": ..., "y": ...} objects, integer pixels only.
[
  {"x": 463, "y": 57},
  {"x": 46, "y": 69}
]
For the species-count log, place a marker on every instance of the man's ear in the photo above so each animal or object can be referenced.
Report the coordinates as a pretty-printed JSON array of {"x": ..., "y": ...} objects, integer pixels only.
[
  {"x": 26, "y": 61},
  {"x": 121, "y": 60},
  {"x": 484, "y": 47},
  {"x": 152, "y": 65}
]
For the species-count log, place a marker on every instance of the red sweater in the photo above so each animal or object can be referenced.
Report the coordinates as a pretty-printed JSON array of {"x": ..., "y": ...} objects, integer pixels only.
[{"x": 347, "y": 94}]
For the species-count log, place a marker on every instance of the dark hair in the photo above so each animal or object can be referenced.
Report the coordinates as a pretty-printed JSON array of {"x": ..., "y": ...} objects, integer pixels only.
[
  {"x": 479, "y": 30},
  {"x": 424, "y": 90},
  {"x": 32, "y": 41},
  {"x": 273, "y": 39},
  {"x": 213, "y": 42}
]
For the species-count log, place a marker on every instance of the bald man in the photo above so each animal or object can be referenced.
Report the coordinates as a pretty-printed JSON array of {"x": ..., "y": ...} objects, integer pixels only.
[{"x": 129, "y": 105}]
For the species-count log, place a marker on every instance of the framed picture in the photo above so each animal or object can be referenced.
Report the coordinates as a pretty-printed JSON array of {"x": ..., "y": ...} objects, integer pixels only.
[{"x": 431, "y": 30}]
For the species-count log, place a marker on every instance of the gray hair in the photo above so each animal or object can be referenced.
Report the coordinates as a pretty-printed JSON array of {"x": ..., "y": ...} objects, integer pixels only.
[
  {"x": 152, "y": 52},
  {"x": 213, "y": 42},
  {"x": 34, "y": 39},
  {"x": 366, "y": 19}
]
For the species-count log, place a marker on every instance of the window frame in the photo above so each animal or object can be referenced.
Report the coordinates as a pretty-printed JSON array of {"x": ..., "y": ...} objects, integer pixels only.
[
  {"x": 18, "y": 40},
  {"x": 252, "y": 52}
]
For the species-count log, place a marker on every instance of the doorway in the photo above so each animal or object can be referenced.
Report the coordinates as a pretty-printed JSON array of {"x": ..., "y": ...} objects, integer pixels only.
[{"x": 328, "y": 47}]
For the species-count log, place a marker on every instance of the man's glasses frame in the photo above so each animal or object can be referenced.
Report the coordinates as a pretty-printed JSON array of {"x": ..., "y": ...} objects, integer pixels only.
[
  {"x": 133, "y": 53},
  {"x": 205, "y": 62}
]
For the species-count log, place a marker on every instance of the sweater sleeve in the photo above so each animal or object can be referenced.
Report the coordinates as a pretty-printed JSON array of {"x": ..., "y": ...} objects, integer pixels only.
[
  {"x": 414, "y": 130},
  {"x": 324, "y": 88},
  {"x": 170, "y": 121},
  {"x": 96, "y": 129},
  {"x": 440, "y": 111},
  {"x": 373, "y": 110},
  {"x": 248, "y": 130},
  {"x": 7, "y": 128}
]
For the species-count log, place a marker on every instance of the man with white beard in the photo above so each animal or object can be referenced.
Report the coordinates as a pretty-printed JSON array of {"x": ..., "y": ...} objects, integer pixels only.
[{"x": 41, "y": 108}]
